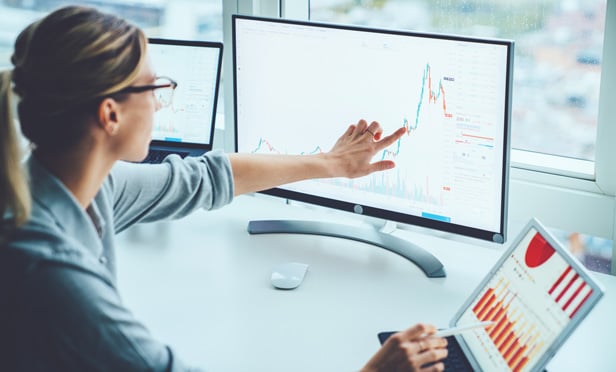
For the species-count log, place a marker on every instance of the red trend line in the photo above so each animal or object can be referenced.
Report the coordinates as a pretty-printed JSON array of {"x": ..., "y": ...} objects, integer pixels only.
[
  {"x": 479, "y": 137},
  {"x": 270, "y": 147}
]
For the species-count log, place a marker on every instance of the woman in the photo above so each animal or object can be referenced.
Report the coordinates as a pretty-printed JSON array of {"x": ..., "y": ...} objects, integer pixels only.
[{"x": 85, "y": 88}]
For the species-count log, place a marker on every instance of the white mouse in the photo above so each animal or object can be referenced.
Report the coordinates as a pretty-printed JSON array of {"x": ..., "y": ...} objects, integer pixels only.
[{"x": 288, "y": 275}]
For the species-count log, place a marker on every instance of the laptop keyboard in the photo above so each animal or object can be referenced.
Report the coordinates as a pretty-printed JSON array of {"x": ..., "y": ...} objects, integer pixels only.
[
  {"x": 456, "y": 360},
  {"x": 157, "y": 156}
]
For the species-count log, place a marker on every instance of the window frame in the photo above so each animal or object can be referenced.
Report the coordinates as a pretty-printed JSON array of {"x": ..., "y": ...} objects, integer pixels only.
[{"x": 569, "y": 194}]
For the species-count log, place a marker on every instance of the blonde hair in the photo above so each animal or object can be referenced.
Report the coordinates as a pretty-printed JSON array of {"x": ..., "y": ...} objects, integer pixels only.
[
  {"x": 14, "y": 191},
  {"x": 64, "y": 65}
]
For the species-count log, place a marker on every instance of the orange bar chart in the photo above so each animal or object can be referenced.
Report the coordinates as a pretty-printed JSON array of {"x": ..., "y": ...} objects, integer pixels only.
[{"x": 516, "y": 340}]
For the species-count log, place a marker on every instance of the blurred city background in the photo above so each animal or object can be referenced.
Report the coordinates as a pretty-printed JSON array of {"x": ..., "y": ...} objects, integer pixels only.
[{"x": 557, "y": 58}]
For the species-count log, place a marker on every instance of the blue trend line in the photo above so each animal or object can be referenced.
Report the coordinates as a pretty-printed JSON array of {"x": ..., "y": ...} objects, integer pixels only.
[
  {"x": 316, "y": 150},
  {"x": 258, "y": 146}
]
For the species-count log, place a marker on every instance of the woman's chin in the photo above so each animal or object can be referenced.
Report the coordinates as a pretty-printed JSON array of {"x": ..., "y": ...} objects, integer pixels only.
[{"x": 136, "y": 158}]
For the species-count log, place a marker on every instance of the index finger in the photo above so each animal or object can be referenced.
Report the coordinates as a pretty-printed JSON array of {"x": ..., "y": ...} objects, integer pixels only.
[{"x": 388, "y": 140}]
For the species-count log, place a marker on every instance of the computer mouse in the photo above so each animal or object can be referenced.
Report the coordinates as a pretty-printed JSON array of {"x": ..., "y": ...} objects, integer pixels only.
[{"x": 288, "y": 275}]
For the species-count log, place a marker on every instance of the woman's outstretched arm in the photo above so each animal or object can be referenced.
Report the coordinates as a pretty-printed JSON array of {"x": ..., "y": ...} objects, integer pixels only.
[{"x": 350, "y": 157}]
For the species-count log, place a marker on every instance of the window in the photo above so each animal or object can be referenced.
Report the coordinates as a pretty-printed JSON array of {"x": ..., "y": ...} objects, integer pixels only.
[
  {"x": 558, "y": 55},
  {"x": 184, "y": 19},
  {"x": 556, "y": 100},
  {"x": 178, "y": 19}
]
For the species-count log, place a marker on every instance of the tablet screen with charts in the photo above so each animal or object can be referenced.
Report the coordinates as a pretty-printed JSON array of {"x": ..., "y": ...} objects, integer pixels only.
[{"x": 536, "y": 294}]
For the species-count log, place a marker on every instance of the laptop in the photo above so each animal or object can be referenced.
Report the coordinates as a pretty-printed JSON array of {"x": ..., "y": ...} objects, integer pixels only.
[
  {"x": 537, "y": 294},
  {"x": 186, "y": 127}
]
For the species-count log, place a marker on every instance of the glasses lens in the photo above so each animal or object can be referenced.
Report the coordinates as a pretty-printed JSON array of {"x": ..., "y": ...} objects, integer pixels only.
[{"x": 164, "y": 95}]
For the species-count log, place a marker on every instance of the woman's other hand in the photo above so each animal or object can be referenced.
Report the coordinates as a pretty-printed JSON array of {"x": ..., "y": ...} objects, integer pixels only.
[{"x": 410, "y": 350}]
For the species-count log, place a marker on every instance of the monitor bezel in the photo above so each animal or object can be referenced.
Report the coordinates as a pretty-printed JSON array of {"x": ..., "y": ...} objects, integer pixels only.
[{"x": 384, "y": 214}]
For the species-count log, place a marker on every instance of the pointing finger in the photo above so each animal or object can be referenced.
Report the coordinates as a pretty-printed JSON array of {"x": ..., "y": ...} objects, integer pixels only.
[{"x": 388, "y": 140}]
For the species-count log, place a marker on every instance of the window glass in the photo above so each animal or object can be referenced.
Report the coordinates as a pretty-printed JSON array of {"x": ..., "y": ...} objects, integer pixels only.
[
  {"x": 595, "y": 253},
  {"x": 181, "y": 19},
  {"x": 178, "y": 19},
  {"x": 557, "y": 67}
]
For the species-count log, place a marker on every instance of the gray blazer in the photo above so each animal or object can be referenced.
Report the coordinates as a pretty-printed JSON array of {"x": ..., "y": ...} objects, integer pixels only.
[{"x": 59, "y": 305}]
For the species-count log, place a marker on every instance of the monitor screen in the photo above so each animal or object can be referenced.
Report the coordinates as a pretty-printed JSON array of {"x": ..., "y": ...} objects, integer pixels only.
[
  {"x": 195, "y": 65},
  {"x": 298, "y": 85}
]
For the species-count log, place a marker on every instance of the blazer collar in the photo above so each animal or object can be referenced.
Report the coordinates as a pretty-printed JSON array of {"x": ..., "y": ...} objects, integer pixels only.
[{"x": 51, "y": 197}]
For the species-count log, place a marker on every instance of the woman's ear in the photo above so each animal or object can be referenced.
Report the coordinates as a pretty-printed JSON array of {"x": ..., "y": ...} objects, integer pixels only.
[{"x": 108, "y": 116}]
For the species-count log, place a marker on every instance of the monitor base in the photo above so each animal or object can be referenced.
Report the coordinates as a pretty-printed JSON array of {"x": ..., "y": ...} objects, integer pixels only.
[{"x": 429, "y": 264}]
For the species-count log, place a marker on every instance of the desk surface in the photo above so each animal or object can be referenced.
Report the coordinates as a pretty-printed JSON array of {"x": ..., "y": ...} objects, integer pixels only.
[{"x": 201, "y": 285}]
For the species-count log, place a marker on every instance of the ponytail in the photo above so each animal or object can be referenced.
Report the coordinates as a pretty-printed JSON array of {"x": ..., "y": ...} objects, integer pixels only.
[{"x": 14, "y": 190}]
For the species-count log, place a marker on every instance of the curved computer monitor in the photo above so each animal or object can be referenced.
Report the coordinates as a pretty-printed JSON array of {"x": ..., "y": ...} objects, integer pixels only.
[{"x": 298, "y": 85}]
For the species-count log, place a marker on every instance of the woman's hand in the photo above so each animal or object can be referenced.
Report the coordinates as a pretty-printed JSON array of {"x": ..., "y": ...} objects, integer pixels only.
[
  {"x": 410, "y": 350},
  {"x": 352, "y": 154}
]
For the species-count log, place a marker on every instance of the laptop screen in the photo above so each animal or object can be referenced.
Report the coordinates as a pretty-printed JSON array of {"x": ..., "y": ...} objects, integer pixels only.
[
  {"x": 195, "y": 66},
  {"x": 536, "y": 295}
]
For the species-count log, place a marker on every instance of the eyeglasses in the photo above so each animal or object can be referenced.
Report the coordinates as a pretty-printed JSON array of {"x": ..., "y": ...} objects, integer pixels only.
[{"x": 162, "y": 89}]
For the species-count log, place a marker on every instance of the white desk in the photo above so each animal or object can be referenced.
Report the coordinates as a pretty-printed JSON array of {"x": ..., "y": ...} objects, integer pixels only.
[{"x": 201, "y": 285}]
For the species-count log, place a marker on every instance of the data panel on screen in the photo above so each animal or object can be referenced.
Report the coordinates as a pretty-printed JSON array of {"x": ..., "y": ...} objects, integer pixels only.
[
  {"x": 196, "y": 71},
  {"x": 298, "y": 86}
]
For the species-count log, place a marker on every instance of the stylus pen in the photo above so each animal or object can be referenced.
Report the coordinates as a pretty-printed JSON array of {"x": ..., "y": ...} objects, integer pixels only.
[{"x": 459, "y": 329}]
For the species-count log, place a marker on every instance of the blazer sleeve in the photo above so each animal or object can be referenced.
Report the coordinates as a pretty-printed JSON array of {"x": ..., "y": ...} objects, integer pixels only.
[{"x": 170, "y": 190}]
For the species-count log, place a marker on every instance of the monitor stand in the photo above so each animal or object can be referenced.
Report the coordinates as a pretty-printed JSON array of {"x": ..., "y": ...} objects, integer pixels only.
[{"x": 429, "y": 264}]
